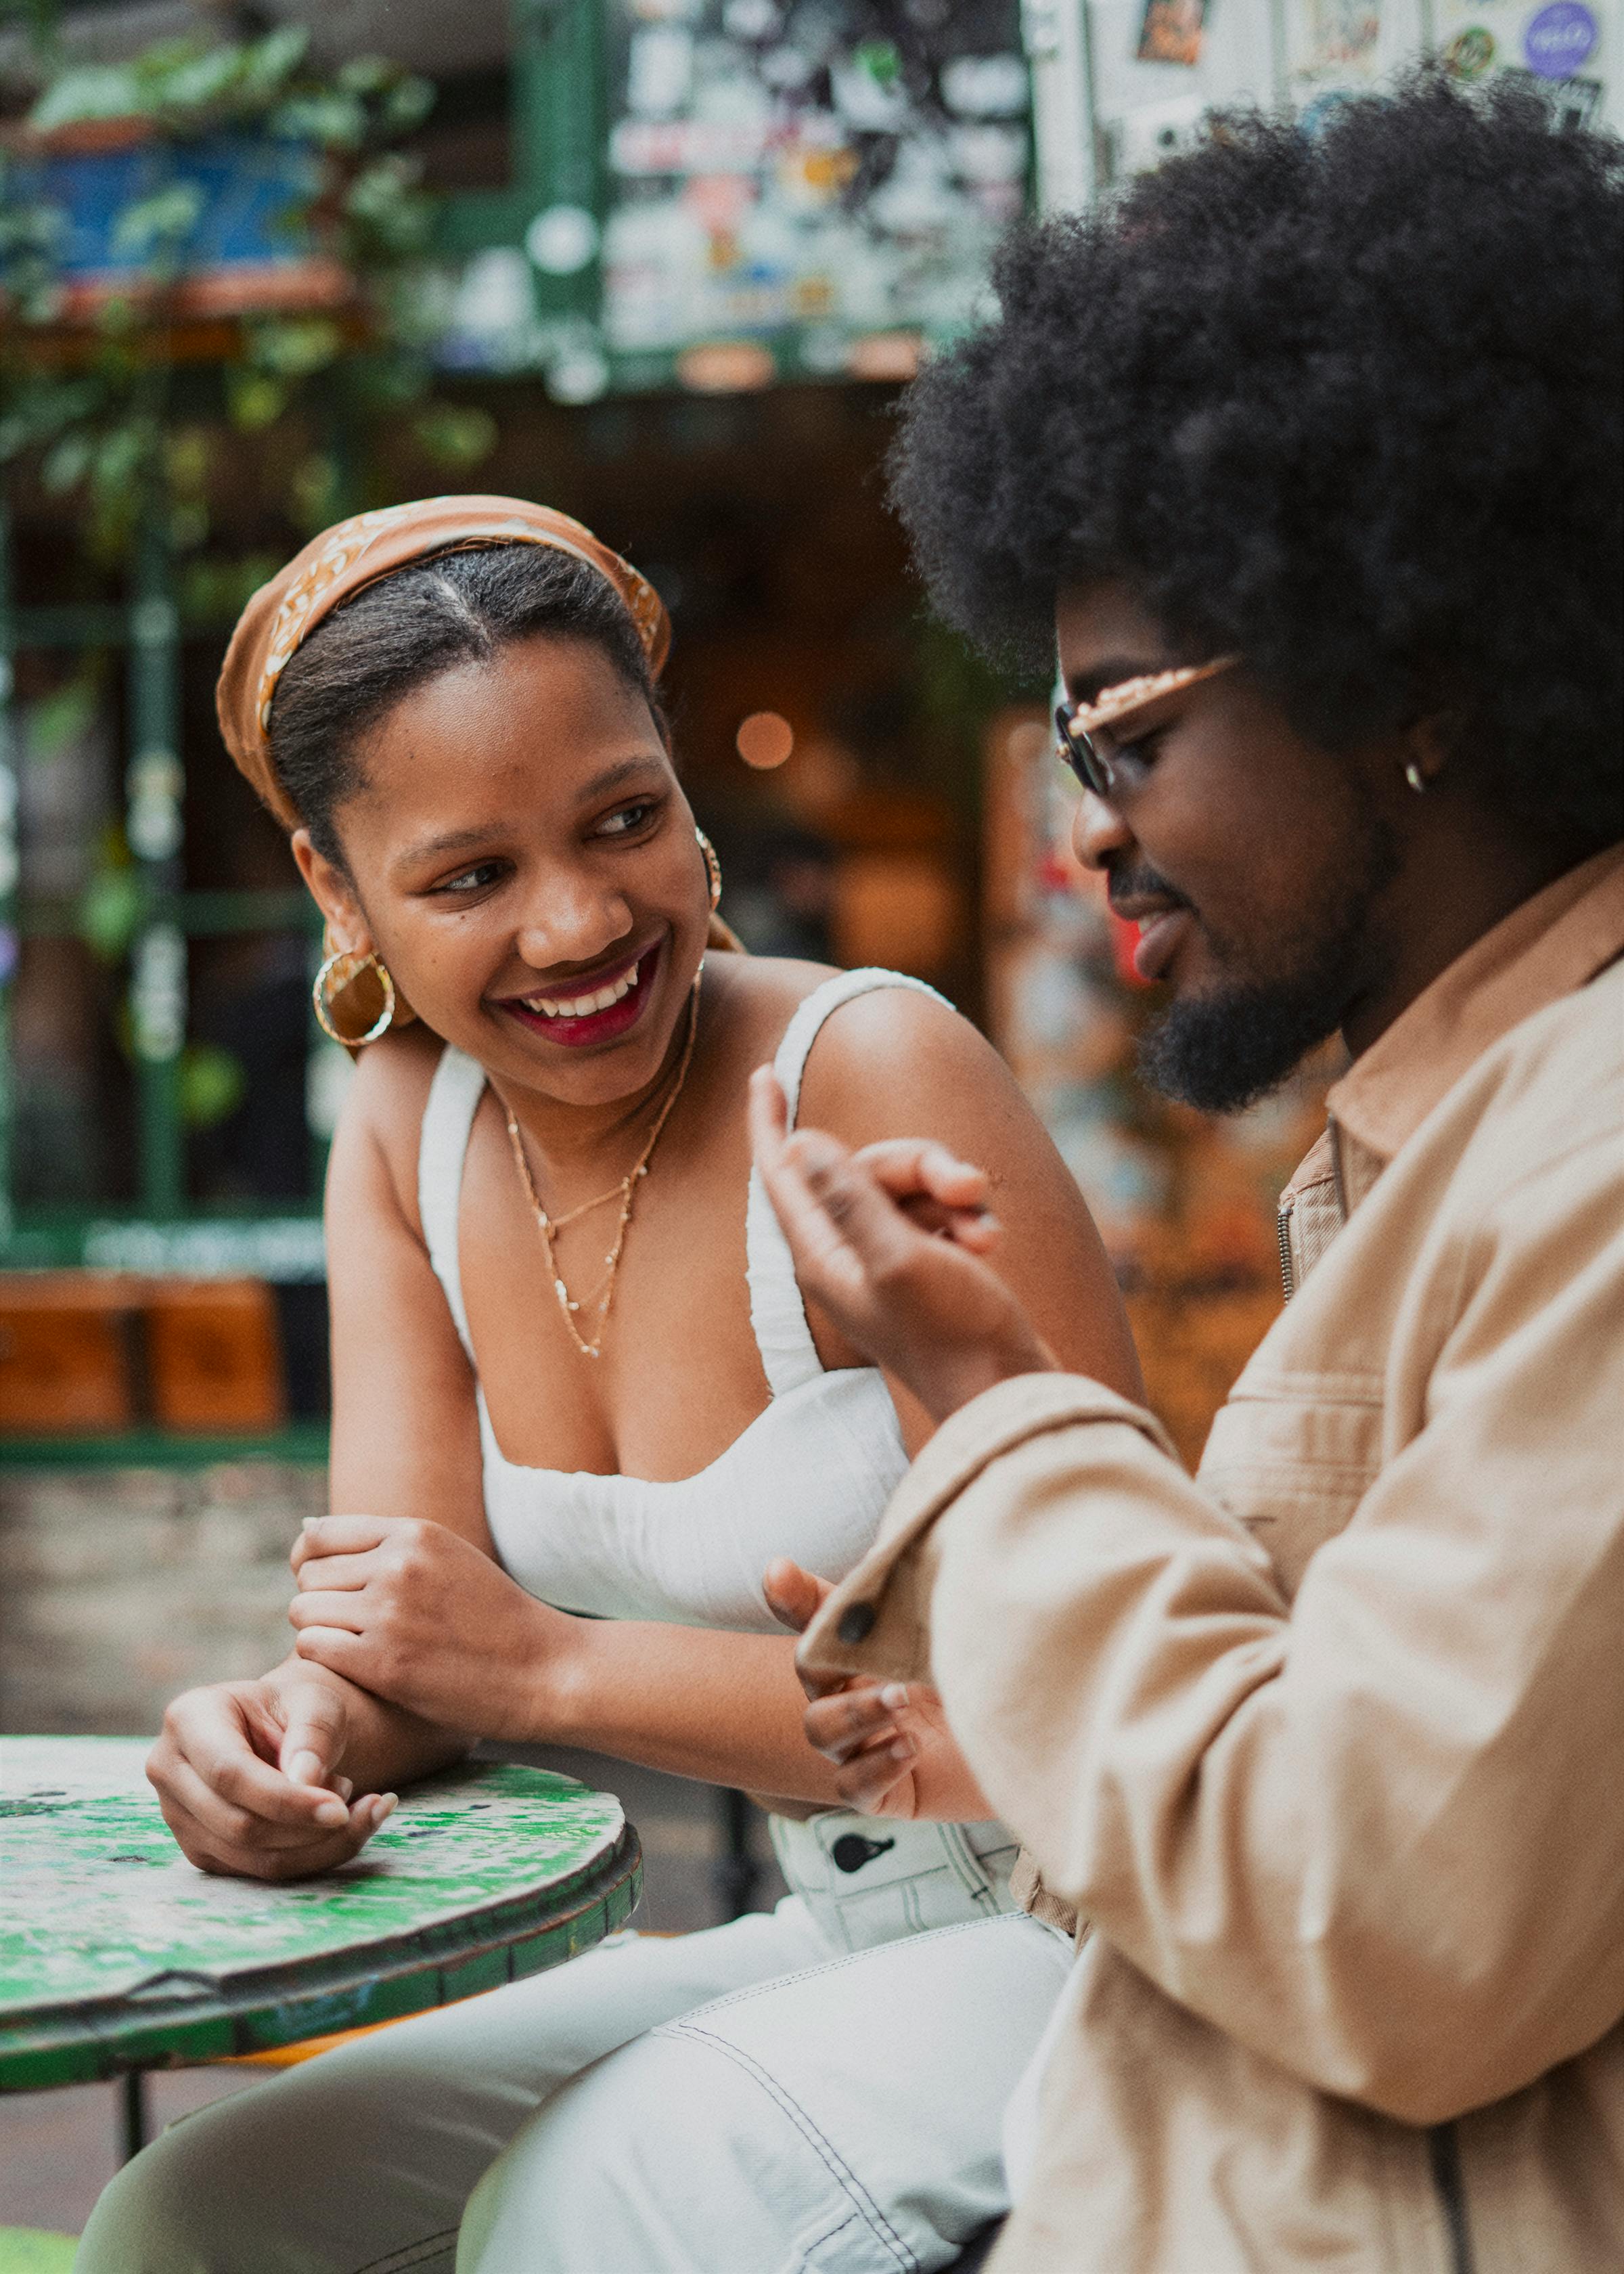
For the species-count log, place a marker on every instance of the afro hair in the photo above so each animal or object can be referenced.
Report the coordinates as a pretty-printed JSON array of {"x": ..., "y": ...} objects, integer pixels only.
[{"x": 1349, "y": 402}]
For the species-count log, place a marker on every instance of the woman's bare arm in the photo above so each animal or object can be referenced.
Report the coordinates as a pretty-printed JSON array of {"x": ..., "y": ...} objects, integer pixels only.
[
  {"x": 290, "y": 1774},
  {"x": 405, "y": 1424}
]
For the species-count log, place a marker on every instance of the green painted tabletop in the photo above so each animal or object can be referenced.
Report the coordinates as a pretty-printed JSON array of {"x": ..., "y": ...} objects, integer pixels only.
[{"x": 117, "y": 1954}]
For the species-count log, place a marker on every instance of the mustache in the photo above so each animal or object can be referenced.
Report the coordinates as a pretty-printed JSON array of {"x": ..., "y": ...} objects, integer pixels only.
[{"x": 1141, "y": 882}]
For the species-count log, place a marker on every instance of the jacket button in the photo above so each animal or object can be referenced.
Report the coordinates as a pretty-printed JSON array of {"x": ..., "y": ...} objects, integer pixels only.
[
  {"x": 851, "y": 1851},
  {"x": 856, "y": 1623}
]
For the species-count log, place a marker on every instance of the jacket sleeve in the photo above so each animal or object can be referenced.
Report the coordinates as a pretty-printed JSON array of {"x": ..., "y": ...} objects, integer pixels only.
[{"x": 1374, "y": 1835}]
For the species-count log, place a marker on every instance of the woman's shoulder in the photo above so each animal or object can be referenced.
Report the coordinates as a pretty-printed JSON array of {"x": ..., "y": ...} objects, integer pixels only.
[
  {"x": 758, "y": 994},
  {"x": 393, "y": 1076},
  {"x": 899, "y": 1061},
  {"x": 884, "y": 1053},
  {"x": 766, "y": 990}
]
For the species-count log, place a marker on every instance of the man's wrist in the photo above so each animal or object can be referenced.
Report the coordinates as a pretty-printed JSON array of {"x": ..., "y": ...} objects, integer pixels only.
[{"x": 961, "y": 1377}]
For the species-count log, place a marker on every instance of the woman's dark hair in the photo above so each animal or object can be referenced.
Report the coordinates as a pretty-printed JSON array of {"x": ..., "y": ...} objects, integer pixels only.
[
  {"x": 395, "y": 635},
  {"x": 1347, "y": 401}
]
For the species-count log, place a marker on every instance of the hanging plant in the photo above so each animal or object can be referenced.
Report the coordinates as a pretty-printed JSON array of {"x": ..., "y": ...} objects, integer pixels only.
[{"x": 209, "y": 237}]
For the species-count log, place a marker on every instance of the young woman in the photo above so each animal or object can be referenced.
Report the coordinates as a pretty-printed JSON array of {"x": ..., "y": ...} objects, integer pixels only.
[{"x": 579, "y": 1407}]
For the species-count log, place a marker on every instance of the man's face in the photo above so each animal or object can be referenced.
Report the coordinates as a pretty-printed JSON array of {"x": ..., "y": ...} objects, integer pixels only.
[{"x": 1254, "y": 862}]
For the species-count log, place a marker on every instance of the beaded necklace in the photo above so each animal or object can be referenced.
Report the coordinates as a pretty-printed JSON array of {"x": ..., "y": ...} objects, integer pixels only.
[{"x": 625, "y": 1192}]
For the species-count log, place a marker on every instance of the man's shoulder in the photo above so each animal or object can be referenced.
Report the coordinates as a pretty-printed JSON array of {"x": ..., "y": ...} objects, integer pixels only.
[
  {"x": 1562, "y": 1065},
  {"x": 1548, "y": 1093}
]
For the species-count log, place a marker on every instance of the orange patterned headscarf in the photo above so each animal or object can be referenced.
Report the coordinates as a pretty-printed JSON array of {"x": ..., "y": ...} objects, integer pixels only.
[{"x": 354, "y": 554}]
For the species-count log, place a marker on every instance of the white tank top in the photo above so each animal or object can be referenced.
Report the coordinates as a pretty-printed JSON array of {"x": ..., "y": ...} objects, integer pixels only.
[{"x": 809, "y": 1478}]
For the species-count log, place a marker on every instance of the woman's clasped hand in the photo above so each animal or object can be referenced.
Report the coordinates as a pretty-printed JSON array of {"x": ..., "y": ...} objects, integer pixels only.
[
  {"x": 268, "y": 1777},
  {"x": 417, "y": 1615}
]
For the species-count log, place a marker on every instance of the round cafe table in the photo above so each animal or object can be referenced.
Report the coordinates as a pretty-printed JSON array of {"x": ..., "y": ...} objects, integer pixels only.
[{"x": 116, "y": 1956}]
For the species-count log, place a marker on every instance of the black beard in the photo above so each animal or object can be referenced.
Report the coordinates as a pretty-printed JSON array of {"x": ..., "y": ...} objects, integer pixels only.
[{"x": 1224, "y": 1051}]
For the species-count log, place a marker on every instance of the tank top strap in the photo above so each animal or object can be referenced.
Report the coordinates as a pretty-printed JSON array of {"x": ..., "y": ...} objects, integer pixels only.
[
  {"x": 447, "y": 1120},
  {"x": 788, "y": 1354}
]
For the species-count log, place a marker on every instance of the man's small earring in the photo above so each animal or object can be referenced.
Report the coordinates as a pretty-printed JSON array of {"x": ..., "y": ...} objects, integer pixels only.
[{"x": 1417, "y": 780}]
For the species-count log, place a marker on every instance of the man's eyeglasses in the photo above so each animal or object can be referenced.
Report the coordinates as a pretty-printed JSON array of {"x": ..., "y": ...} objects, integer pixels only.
[{"x": 1080, "y": 724}]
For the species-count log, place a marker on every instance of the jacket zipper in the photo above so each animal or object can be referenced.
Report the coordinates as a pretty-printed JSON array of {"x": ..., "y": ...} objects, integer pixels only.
[
  {"x": 1443, "y": 2153},
  {"x": 1283, "y": 1225}
]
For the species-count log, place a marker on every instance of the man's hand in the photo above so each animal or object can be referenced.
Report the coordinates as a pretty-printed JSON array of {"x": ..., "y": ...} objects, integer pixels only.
[
  {"x": 249, "y": 1775},
  {"x": 418, "y": 1614},
  {"x": 891, "y": 1742},
  {"x": 889, "y": 1240}
]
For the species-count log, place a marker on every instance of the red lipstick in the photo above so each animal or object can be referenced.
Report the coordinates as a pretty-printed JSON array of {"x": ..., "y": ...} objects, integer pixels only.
[{"x": 578, "y": 1030}]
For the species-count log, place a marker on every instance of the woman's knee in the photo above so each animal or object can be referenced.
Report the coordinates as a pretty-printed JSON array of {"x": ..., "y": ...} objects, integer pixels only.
[
  {"x": 313, "y": 2171},
  {"x": 186, "y": 2205},
  {"x": 670, "y": 2157}
]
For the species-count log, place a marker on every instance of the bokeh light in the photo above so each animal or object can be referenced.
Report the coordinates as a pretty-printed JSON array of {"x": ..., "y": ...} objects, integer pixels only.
[{"x": 764, "y": 739}]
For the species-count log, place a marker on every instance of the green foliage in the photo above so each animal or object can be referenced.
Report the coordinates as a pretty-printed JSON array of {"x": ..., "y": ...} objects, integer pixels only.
[
  {"x": 454, "y": 437},
  {"x": 213, "y": 591},
  {"x": 110, "y": 909},
  {"x": 61, "y": 718},
  {"x": 159, "y": 226},
  {"x": 93, "y": 406},
  {"x": 181, "y": 84},
  {"x": 213, "y": 1085}
]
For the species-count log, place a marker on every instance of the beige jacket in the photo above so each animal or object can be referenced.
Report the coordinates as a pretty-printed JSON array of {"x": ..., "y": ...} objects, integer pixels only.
[{"x": 1327, "y": 1745}]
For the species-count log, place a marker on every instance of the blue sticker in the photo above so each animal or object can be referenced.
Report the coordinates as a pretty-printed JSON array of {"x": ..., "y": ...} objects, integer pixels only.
[{"x": 1560, "y": 39}]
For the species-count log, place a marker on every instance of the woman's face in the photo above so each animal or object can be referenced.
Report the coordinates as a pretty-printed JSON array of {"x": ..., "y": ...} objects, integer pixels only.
[{"x": 522, "y": 859}]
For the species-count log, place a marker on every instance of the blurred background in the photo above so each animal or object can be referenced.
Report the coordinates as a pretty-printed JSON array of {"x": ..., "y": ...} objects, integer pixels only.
[{"x": 662, "y": 263}]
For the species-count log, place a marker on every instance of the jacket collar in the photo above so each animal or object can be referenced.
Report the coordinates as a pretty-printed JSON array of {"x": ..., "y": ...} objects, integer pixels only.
[{"x": 1554, "y": 943}]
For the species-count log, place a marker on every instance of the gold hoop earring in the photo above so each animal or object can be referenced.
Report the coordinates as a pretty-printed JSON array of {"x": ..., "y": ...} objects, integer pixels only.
[
  {"x": 713, "y": 869},
  {"x": 336, "y": 976}
]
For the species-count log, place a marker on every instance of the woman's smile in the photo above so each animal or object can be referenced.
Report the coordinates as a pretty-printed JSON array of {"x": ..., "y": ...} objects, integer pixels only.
[{"x": 595, "y": 1006}]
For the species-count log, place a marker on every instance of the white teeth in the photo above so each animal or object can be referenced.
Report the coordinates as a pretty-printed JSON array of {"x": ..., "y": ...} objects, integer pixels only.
[{"x": 582, "y": 1006}]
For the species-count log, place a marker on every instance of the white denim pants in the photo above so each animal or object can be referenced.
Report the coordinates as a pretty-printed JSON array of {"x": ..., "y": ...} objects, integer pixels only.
[{"x": 814, "y": 2090}]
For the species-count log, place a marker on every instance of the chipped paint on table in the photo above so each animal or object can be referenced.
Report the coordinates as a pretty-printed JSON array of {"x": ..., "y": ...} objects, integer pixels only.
[{"x": 117, "y": 1953}]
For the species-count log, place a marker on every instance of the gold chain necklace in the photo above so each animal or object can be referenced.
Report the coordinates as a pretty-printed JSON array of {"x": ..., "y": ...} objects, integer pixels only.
[{"x": 625, "y": 1192}]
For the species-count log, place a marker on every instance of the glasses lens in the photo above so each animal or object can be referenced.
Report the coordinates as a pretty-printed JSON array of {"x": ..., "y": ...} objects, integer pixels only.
[{"x": 1079, "y": 754}]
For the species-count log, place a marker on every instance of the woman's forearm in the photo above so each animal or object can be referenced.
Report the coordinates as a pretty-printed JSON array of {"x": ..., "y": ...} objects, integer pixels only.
[
  {"x": 390, "y": 1747},
  {"x": 691, "y": 1700},
  {"x": 379, "y": 1746},
  {"x": 421, "y": 1616}
]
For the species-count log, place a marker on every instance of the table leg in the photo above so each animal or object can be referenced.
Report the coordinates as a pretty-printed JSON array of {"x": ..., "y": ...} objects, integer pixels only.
[{"x": 131, "y": 2114}]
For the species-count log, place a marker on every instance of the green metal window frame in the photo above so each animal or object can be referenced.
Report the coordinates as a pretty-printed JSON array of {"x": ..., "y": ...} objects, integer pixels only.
[
  {"x": 162, "y": 1233},
  {"x": 559, "y": 114},
  {"x": 147, "y": 628}
]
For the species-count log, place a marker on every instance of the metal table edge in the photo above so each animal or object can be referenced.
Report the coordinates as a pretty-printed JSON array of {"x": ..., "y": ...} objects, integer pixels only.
[{"x": 407, "y": 1974}]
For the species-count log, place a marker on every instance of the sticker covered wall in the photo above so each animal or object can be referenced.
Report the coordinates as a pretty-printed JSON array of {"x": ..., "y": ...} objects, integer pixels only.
[{"x": 804, "y": 189}]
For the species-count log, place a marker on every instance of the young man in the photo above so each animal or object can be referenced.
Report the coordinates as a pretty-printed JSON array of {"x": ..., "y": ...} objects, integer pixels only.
[{"x": 1311, "y": 448}]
